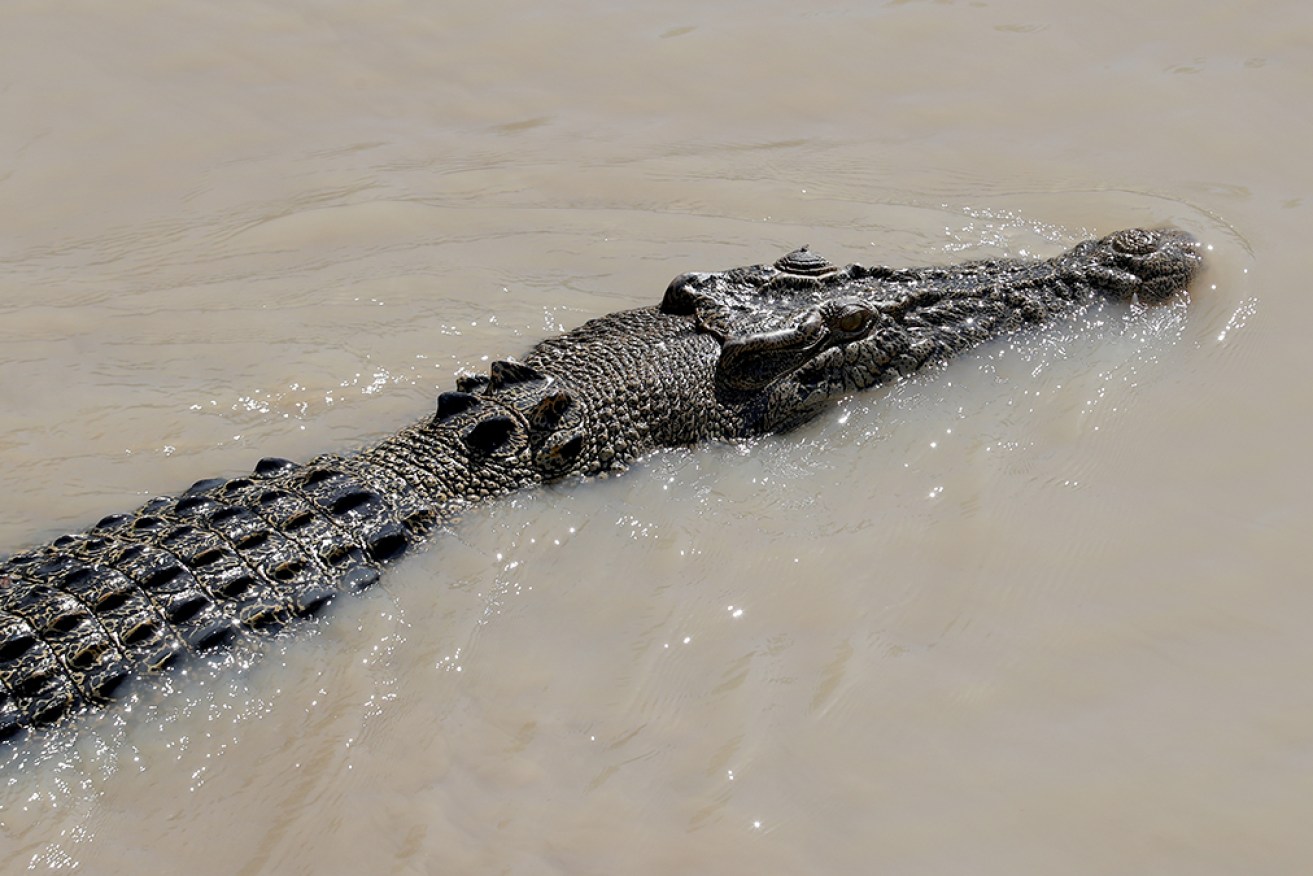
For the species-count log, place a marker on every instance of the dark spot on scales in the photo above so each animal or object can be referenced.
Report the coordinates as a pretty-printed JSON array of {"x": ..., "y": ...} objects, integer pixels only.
[
  {"x": 351, "y": 501},
  {"x": 289, "y": 570},
  {"x": 236, "y": 587},
  {"x": 263, "y": 615},
  {"x": 54, "y": 566},
  {"x": 570, "y": 449},
  {"x": 313, "y": 600},
  {"x": 34, "y": 686},
  {"x": 111, "y": 601},
  {"x": 112, "y": 683},
  {"x": 140, "y": 634},
  {"x": 272, "y": 465},
  {"x": 188, "y": 608},
  {"x": 318, "y": 476},
  {"x": 61, "y": 699},
  {"x": 192, "y": 504},
  {"x": 212, "y": 635},
  {"x": 487, "y": 435},
  {"x": 223, "y": 515},
  {"x": 203, "y": 486},
  {"x": 469, "y": 382},
  {"x": 84, "y": 658},
  {"x": 130, "y": 554},
  {"x": 254, "y": 540},
  {"x": 452, "y": 403},
  {"x": 206, "y": 557},
  {"x": 548, "y": 412},
  {"x": 16, "y": 647},
  {"x": 388, "y": 543},
  {"x": 163, "y": 657},
  {"x": 359, "y": 578},
  {"x": 162, "y": 577},
  {"x": 340, "y": 553},
  {"x": 420, "y": 522},
  {"x": 176, "y": 535},
  {"x": 298, "y": 521},
  {"x": 505, "y": 372},
  {"x": 65, "y": 623},
  {"x": 77, "y": 577}
]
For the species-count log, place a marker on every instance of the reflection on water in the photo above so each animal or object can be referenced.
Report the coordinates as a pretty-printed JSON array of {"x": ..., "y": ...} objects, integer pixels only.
[{"x": 1039, "y": 610}]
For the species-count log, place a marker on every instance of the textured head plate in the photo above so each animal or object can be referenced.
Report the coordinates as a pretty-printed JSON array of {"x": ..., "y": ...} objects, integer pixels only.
[
  {"x": 771, "y": 319},
  {"x": 757, "y": 298}
]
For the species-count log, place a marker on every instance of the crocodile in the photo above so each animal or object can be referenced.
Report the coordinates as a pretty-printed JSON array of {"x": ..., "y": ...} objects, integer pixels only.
[{"x": 725, "y": 356}]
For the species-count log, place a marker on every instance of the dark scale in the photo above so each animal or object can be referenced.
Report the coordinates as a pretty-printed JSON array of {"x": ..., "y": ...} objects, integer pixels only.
[
  {"x": 37, "y": 689},
  {"x": 285, "y": 539},
  {"x": 357, "y": 509},
  {"x": 215, "y": 583},
  {"x": 90, "y": 656},
  {"x": 134, "y": 622},
  {"x": 184, "y": 604},
  {"x": 413, "y": 508}
]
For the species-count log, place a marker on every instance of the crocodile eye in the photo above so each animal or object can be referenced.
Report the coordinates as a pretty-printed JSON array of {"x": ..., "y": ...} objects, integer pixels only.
[{"x": 852, "y": 321}]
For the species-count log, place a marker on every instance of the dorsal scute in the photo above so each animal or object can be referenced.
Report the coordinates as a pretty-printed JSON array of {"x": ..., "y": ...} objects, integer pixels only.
[
  {"x": 490, "y": 435},
  {"x": 508, "y": 372},
  {"x": 514, "y": 407},
  {"x": 469, "y": 381},
  {"x": 452, "y": 403},
  {"x": 547, "y": 412},
  {"x": 556, "y": 457}
]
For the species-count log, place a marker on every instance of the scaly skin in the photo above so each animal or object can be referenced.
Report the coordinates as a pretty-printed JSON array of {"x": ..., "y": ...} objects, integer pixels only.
[{"x": 725, "y": 356}]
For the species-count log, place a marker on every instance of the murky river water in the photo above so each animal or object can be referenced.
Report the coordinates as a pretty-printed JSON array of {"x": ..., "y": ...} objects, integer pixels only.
[{"x": 1043, "y": 610}]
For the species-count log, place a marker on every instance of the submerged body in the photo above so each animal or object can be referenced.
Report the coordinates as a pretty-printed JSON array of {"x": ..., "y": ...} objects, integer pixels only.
[{"x": 725, "y": 355}]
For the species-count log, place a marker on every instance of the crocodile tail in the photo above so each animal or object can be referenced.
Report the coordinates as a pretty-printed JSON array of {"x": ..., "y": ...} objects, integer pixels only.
[
  {"x": 184, "y": 575},
  {"x": 244, "y": 557}
]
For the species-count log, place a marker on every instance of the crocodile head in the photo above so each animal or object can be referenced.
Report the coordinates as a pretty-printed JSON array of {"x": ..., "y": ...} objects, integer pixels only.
[{"x": 796, "y": 333}]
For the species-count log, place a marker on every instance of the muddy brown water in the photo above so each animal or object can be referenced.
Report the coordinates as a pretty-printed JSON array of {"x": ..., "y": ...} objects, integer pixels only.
[{"x": 1042, "y": 610}]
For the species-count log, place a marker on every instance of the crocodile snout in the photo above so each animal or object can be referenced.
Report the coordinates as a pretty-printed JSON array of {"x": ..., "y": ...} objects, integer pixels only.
[{"x": 1151, "y": 264}]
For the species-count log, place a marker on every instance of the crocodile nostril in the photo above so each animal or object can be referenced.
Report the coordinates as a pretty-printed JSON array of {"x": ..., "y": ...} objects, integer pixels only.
[{"x": 1135, "y": 241}]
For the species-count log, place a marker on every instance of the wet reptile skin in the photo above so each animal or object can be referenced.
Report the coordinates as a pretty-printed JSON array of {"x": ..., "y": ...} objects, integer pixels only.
[{"x": 726, "y": 355}]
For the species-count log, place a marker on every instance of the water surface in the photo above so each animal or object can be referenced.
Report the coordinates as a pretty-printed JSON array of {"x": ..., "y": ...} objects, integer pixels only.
[{"x": 1038, "y": 611}]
